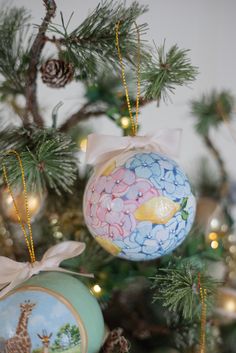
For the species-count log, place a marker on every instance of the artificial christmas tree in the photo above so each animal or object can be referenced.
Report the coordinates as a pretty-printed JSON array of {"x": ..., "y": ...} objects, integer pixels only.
[{"x": 165, "y": 305}]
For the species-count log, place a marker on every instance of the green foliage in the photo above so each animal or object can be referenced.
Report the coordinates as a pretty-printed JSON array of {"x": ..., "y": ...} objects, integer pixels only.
[
  {"x": 212, "y": 110},
  {"x": 69, "y": 333},
  {"x": 107, "y": 92},
  {"x": 177, "y": 287},
  {"x": 105, "y": 89},
  {"x": 14, "y": 50},
  {"x": 47, "y": 156},
  {"x": 186, "y": 336},
  {"x": 93, "y": 41},
  {"x": 170, "y": 69}
]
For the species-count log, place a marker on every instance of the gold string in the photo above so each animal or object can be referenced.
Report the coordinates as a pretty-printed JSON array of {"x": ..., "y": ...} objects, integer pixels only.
[
  {"x": 203, "y": 297},
  {"x": 28, "y": 236},
  {"x": 134, "y": 122}
]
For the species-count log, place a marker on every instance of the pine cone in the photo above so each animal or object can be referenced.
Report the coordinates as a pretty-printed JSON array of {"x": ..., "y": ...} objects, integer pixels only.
[
  {"x": 116, "y": 343},
  {"x": 56, "y": 73}
]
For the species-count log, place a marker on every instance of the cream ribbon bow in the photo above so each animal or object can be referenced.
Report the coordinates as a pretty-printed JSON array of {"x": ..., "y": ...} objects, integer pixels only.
[
  {"x": 102, "y": 148},
  {"x": 13, "y": 273}
]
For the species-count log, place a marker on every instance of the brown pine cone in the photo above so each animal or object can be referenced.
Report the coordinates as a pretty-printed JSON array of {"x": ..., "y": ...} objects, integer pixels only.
[
  {"x": 56, "y": 73},
  {"x": 116, "y": 343}
]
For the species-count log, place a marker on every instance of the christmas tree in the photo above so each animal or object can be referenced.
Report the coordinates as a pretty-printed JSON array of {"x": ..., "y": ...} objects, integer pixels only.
[{"x": 179, "y": 301}]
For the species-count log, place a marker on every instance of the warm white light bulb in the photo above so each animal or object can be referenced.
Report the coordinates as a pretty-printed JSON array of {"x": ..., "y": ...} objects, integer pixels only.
[
  {"x": 97, "y": 289},
  {"x": 125, "y": 122},
  {"x": 214, "y": 244},
  {"x": 230, "y": 305},
  {"x": 83, "y": 144},
  {"x": 214, "y": 223}
]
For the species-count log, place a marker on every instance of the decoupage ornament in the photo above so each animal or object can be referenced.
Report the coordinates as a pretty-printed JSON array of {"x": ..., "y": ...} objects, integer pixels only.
[
  {"x": 138, "y": 204},
  {"x": 56, "y": 73},
  {"x": 51, "y": 310},
  {"x": 35, "y": 204},
  {"x": 42, "y": 307}
]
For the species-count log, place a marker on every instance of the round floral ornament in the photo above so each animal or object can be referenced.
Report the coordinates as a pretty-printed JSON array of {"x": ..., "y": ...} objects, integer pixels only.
[{"x": 138, "y": 203}]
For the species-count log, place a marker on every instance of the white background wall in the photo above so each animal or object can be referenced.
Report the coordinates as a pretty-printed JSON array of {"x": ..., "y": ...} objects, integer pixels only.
[{"x": 207, "y": 27}]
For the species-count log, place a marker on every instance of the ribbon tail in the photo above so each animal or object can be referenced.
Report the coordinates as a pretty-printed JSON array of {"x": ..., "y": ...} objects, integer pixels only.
[
  {"x": 62, "y": 251},
  {"x": 59, "y": 269},
  {"x": 17, "y": 281}
]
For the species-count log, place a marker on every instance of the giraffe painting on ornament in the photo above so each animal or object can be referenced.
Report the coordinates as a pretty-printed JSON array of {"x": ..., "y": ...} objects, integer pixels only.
[
  {"x": 21, "y": 341},
  {"x": 35, "y": 321}
]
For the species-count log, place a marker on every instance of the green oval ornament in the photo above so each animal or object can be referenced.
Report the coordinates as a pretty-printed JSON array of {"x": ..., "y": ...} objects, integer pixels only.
[{"x": 51, "y": 313}]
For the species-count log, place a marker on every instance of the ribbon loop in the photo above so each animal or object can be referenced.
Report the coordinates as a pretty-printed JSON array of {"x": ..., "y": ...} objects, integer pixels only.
[
  {"x": 13, "y": 273},
  {"x": 102, "y": 148}
]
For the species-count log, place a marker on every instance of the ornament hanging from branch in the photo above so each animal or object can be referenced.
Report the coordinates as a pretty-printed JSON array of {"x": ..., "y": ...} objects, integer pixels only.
[
  {"x": 56, "y": 73},
  {"x": 35, "y": 204},
  {"x": 41, "y": 287},
  {"x": 138, "y": 204}
]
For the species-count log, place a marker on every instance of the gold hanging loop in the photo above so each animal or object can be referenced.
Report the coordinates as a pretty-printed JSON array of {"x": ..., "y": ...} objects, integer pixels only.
[
  {"x": 27, "y": 235},
  {"x": 134, "y": 122}
]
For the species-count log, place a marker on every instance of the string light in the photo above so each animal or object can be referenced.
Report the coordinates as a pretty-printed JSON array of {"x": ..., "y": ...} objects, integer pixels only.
[
  {"x": 96, "y": 289},
  {"x": 215, "y": 223},
  {"x": 125, "y": 122},
  {"x": 214, "y": 244},
  {"x": 230, "y": 305},
  {"x": 232, "y": 249},
  {"x": 83, "y": 144},
  {"x": 213, "y": 236},
  {"x": 226, "y": 302}
]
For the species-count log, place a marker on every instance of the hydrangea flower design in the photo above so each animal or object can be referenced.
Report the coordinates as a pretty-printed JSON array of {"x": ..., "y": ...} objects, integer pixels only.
[
  {"x": 119, "y": 206},
  {"x": 119, "y": 181}
]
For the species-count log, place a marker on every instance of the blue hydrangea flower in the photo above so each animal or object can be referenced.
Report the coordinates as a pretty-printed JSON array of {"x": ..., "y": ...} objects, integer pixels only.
[
  {"x": 143, "y": 165},
  {"x": 162, "y": 172}
]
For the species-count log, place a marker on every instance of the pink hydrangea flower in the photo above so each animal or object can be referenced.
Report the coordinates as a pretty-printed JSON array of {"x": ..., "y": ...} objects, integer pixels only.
[
  {"x": 95, "y": 189},
  {"x": 111, "y": 217},
  {"x": 119, "y": 181},
  {"x": 141, "y": 191},
  {"x": 112, "y": 201}
]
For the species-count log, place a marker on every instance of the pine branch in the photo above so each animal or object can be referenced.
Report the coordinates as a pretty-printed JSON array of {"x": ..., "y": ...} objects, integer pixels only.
[
  {"x": 169, "y": 70},
  {"x": 14, "y": 51},
  {"x": 90, "y": 110},
  {"x": 47, "y": 156},
  {"x": 92, "y": 43},
  {"x": 35, "y": 53},
  {"x": 177, "y": 288},
  {"x": 212, "y": 110},
  {"x": 207, "y": 183},
  {"x": 83, "y": 113},
  {"x": 224, "y": 178},
  {"x": 186, "y": 336}
]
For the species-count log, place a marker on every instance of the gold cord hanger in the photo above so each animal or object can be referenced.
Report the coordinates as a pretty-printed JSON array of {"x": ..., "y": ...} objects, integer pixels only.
[
  {"x": 27, "y": 235},
  {"x": 134, "y": 121},
  {"x": 203, "y": 298}
]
